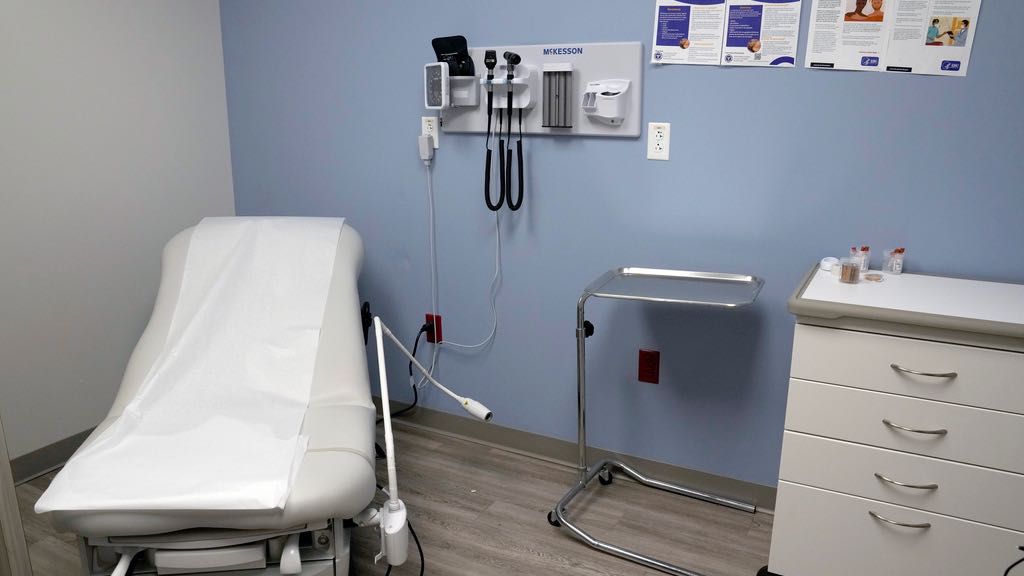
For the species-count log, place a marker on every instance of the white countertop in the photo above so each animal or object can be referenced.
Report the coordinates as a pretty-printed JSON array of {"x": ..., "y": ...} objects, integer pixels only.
[{"x": 954, "y": 297}]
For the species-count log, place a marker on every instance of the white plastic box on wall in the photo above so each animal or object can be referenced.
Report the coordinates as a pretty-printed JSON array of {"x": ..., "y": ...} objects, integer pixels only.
[{"x": 587, "y": 63}]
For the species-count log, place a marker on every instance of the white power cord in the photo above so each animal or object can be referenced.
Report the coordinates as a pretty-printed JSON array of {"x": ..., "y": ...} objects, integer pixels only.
[
  {"x": 433, "y": 264},
  {"x": 495, "y": 282},
  {"x": 125, "y": 561},
  {"x": 426, "y": 154}
]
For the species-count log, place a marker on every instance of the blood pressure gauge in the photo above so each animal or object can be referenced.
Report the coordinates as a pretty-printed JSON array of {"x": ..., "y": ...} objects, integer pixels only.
[{"x": 436, "y": 94}]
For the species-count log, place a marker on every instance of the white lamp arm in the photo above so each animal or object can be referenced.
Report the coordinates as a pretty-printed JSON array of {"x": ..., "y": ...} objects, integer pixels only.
[
  {"x": 392, "y": 519},
  {"x": 468, "y": 404},
  {"x": 394, "y": 527},
  {"x": 389, "y": 439}
]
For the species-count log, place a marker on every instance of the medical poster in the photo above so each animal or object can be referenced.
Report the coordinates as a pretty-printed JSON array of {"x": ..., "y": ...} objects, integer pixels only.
[
  {"x": 847, "y": 34},
  {"x": 932, "y": 37},
  {"x": 688, "y": 32},
  {"x": 905, "y": 36},
  {"x": 761, "y": 32}
]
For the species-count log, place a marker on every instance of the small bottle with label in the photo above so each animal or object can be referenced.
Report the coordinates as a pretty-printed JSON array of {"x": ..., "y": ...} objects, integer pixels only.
[
  {"x": 865, "y": 258},
  {"x": 894, "y": 260}
]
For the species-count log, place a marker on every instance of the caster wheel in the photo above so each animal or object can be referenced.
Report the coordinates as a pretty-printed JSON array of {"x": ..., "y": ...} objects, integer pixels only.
[
  {"x": 764, "y": 572},
  {"x": 553, "y": 520},
  {"x": 605, "y": 477}
]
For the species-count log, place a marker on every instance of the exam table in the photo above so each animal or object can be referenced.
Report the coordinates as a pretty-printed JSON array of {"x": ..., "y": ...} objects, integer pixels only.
[{"x": 334, "y": 482}]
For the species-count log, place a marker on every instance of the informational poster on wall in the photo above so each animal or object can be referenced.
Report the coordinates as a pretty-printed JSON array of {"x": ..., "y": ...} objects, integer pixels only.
[
  {"x": 726, "y": 32},
  {"x": 688, "y": 32},
  {"x": 933, "y": 37},
  {"x": 761, "y": 33},
  {"x": 905, "y": 36}
]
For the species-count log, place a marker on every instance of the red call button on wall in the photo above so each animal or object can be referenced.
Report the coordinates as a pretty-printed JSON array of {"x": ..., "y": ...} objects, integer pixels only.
[{"x": 648, "y": 366}]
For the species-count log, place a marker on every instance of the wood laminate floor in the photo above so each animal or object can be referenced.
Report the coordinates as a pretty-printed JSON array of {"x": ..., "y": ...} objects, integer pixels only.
[{"x": 481, "y": 511}]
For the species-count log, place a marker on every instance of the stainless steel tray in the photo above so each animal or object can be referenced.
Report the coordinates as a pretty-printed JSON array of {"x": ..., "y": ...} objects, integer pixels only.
[{"x": 677, "y": 287}]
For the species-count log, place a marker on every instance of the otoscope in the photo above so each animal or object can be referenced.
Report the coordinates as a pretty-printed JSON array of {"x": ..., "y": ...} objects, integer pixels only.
[{"x": 490, "y": 61}]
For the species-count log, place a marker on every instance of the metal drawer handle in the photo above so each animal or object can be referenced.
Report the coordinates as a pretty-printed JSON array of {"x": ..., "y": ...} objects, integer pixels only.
[
  {"x": 905, "y": 485},
  {"x": 939, "y": 432},
  {"x": 899, "y": 368},
  {"x": 877, "y": 516}
]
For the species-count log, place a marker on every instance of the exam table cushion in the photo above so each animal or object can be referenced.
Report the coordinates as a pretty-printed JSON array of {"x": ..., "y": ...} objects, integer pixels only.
[{"x": 336, "y": 477}]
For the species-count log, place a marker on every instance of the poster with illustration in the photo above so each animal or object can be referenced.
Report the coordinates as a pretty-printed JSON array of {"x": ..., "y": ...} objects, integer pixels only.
[
  {"x": 900, "y": 36},
  {"x": 848, "y": 34},
  {"x": 933, "y": 37},
  {"x": 688, "y": 32},
  {"x": 864, "y": 11},
  {"x": 761, "y": 33}
]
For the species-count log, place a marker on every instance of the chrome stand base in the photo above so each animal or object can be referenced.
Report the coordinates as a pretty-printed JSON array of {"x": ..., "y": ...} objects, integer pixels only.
[
  {"x": 603, "y": 470},
  {"x": 634, "y": 284}
]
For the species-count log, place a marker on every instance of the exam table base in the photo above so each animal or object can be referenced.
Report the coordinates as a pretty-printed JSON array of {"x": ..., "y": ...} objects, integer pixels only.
[
  {"x": 604, "y": 469},
  {"x": 334, "y": 560}
]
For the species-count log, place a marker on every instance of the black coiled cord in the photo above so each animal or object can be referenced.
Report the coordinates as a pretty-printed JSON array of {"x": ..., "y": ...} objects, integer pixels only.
[
  {"x": 1015, "y": 564},
  {"x": 513, "y": 206},
  {"x": 494, "y": 207}
]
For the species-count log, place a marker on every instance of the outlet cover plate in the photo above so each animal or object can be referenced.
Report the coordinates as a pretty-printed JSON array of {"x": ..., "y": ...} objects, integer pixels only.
[
  {"x": 659, "y": 135},
  {"x": 428, "y": 126},
  {"x": 437, "y": 335}
]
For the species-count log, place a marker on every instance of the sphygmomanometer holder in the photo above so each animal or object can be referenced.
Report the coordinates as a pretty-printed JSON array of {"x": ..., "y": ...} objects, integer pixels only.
[
  {"x": 452, "y": 80},
  {"x": 454, "y": 50},
  {"x": 441, "y": 90}
]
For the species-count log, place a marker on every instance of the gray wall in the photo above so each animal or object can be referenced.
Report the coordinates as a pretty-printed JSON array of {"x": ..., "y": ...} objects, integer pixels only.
[
  {"x": 770, "y": 171},
  {"x": 114, "y": 137}
]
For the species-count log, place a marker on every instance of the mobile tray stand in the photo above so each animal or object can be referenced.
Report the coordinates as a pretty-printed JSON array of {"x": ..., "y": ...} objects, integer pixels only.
[{"x": 645, "y": 285}]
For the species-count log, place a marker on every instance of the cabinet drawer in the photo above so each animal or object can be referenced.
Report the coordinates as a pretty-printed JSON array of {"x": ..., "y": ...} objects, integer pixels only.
[
  {"x": 984, "y": 378},
  {"x": 974, "y": 436},
  {"x": 818, "y": 533},
  {"x": 949, "y": 488}
]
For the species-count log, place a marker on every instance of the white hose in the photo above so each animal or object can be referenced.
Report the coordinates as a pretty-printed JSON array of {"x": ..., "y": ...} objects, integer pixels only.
[
  {"x": 124, "y": 563},
  {"x": 495, "y": 281},
  {"x": 433, "y": 266}
]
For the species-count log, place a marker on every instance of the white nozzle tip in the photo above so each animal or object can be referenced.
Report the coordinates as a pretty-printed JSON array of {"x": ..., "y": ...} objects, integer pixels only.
[{"x": 477, "y": 409}]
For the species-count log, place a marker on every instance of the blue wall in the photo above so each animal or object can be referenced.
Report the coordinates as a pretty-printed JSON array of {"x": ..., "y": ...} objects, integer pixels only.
[{"x": 771, "y": 170}]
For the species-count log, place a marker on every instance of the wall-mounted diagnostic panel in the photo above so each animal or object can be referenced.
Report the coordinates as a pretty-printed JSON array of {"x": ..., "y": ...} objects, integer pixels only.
[{"x": 562, "y": 89}]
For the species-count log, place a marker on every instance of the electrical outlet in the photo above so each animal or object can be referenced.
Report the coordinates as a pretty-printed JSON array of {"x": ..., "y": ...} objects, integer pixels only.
[
  {"x": 658, "y": 137},
  {"x": 434, "y": 333},
  {"x": 428, "y": 127}
]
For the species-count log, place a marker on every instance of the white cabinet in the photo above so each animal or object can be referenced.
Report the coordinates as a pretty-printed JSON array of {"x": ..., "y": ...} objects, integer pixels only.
[
  {"x": 833, "y": 534},
  {"x": 984, "y": 378},
  {"x": 903, "y": 452}
]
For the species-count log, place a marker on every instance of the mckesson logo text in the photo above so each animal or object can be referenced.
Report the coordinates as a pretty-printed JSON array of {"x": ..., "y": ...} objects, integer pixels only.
[{"x": 563, "y": 51}]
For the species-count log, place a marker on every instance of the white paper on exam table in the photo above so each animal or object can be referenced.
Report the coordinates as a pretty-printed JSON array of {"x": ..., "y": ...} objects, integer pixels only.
[{"x": 216, "y": 423}]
